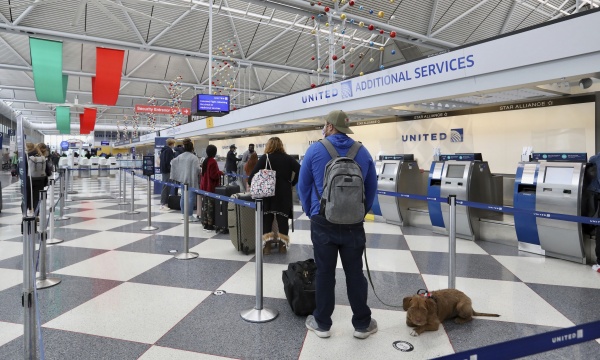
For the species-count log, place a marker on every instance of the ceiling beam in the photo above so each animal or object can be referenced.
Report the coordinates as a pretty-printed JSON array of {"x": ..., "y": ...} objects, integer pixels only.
[
  {"x": 432, "y": 17},
  {"x": 513, "y": 6},
  {"x": 164, "y": 31},
  {"x": 451, "y": 22},
  {"x": 132, "y": 25}
]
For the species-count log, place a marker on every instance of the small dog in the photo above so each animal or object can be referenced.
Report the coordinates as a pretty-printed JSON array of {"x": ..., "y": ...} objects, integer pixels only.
[{"x": 425, "y": 312}]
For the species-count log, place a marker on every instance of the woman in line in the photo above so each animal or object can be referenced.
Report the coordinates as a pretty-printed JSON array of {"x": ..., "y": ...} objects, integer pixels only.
[
  {"x": 38, "y": 170},
  {"x": 210, "y": 179},
  {"x": 279, "y": 208},
  {"x": 184, "y": 168},
  {"x": 249, "y": 166}
]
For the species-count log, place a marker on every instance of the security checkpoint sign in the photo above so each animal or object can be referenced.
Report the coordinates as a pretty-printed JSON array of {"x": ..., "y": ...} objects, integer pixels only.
[{"x": 167, "y": 110}]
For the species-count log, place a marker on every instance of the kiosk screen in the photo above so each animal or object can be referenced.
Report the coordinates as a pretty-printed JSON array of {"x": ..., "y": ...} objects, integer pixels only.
[
  {"x": 455, "y": 171},
  {"x": 389, "y": 169},
  {"x": 558, "y": 175}
]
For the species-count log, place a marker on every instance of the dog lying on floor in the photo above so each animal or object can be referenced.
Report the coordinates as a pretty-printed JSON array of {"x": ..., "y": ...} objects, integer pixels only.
[{"x": 426, "y": 311}]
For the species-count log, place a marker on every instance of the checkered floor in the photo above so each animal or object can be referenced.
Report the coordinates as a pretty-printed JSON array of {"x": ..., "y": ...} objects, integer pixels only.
[{"x": 124, "y": 296}]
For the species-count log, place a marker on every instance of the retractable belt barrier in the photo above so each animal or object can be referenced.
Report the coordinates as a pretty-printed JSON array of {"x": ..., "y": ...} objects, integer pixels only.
[
  {"x": 498, "y": 208},
  {"x": 534, "y": 344}
]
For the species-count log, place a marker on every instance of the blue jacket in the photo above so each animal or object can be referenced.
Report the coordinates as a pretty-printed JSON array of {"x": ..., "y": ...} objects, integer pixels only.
[
  {"x": 312, "y": 172},
  {"x": 595, "y": 184}
]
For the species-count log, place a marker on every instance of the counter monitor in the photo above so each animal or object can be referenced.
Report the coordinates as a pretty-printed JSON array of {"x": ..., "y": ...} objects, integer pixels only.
[
  {"x": 455, "y": 171},
  {"x": 389, "y": 169},
  {"x": 558, "y": 175}
]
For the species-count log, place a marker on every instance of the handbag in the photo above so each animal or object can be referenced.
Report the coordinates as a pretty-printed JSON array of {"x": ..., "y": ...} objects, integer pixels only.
[{"x": 263, "y": 182}]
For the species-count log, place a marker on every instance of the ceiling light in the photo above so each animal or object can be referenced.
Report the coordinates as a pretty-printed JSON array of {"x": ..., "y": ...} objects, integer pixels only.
[{"x": 586, "y": 83}]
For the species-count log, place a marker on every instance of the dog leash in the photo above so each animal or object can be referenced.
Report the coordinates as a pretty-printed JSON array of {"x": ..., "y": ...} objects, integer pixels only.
[{"x": 373, "y": 286}]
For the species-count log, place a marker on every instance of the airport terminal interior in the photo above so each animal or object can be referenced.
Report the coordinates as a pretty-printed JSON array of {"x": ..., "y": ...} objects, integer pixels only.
[{"x": 496, "y": 102}]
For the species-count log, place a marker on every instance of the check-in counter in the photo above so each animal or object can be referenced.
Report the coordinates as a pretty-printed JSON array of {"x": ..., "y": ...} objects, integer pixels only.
[
  {"x": 470, "y": 179},
  {"x": 400, "y": 174},
  {"x": 84, "y": 168},
  {"x": 560, "y": 189}
]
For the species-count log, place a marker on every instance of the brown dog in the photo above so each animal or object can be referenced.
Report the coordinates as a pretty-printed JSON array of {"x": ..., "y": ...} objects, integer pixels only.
[{"x": 426, "y": 312}]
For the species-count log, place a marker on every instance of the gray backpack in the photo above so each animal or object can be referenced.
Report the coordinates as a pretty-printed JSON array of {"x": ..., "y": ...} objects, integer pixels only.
[
  {"x": 343, "y": 198},
  {"x": 36, "y": 166}
]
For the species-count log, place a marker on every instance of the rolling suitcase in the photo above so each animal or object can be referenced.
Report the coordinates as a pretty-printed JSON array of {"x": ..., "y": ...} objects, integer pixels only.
[
  {"x": 221, "y": 206},
  {"x": 174, "y": 202},
  {"x": 242, "y": 224}
]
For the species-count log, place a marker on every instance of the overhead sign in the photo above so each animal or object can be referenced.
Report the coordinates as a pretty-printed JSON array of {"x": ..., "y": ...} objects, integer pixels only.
[
  {"x": 104, "y": 143},
  {"x": 210, "y": 105},
  {"x": 167, "y": 110},
  {"x": 64, "y": 145}
]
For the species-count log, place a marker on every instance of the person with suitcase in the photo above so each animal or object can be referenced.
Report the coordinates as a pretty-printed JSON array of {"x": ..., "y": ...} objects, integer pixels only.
[
  {"x": 210, "y": 180},
  {"x": 338, "y": 171},
  {"x": 185, "y": 168},
  {"x": 166, "y": 156},
  {"x": 279, "y": 208}
]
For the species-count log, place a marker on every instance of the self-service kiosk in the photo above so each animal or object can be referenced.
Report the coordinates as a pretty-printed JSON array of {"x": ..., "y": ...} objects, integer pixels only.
[
  {"x": 470, "y": 179},
  {"x": 376, "y": 209},
  {"x": 524, "y": 197},
  {"x": 399, "y": 173},
  {"x": 434, "y": 189},
  {"x": 560, "y": 189}
]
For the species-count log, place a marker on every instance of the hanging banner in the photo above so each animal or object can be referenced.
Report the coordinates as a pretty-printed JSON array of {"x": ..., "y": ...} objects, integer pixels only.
[
  {"x": 46, "y": 61},
  {"x": 106, "y": 83},
  {"x": 87, "y": 121},
  {"x": 159, "y": 110},
  {"x": 63, "y": 119}
]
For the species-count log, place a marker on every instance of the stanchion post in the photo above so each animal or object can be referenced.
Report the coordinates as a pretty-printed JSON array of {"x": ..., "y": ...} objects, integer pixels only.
[
  {"x": 149, "y": 199},
  {"x": 186, "y": 254},
  {"x": 259, "y": 314},
  {"x": 452, "y": 243},
  {"x": 43, "y": 281},
  {"x": 61, "y": 208},
  {"x": 51, "y": 239},
  {"x": 124, "y": 197},
  {"x": 71, "y": 177},
  {"x": 132, "y": 209},
  {"x": 28, "y": 299},
  {"x": 120, "y": 184}
]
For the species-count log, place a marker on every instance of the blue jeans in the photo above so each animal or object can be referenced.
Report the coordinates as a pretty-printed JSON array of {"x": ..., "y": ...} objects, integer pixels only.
[
  {"x": 191, "y": 202},
  {"x": 349, "y": 240}
]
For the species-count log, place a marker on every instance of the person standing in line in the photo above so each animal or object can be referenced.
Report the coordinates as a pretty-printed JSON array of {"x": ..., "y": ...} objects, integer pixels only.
[
  {"x": 36, "y": 180},
  {"x": 231, "y": 164},
  {"x": 210, "y": 180},
  {"x": 249, "y": 166},
  {"x": 279, "y": 208},
  {"x": 166, "y": 155},
  {"x": 242, "y": 167},
  {"x": 594, "y": 193},
  {"x": 328, "y": 239},
  {"x": 185, "y": 168}
]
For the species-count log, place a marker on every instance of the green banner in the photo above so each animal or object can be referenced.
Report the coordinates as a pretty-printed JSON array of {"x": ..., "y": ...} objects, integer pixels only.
[
  {"x": 63, "y": 119},
  {"x": 46, "y": 60}
]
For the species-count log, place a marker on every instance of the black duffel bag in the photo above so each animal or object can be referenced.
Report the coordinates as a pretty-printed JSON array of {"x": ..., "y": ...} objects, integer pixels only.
[{"x": 299, "y": 286}]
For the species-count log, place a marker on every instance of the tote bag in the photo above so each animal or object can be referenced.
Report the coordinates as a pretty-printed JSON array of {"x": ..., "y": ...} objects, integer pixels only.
[{"x": 263, "y": 183}]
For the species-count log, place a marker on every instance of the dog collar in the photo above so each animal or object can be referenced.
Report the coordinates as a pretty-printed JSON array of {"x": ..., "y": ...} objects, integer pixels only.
[{"x": 425, "y": 293}]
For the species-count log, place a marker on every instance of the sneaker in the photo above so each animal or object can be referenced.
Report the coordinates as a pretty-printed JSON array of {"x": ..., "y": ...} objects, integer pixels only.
[
  {"x": 194, "y": 219},
  {"x": 162, "y": 207},
  {"x": 311, "y": 324},
  {"x": 365, "y": 333},
  {"x": 596, "y": 267}
]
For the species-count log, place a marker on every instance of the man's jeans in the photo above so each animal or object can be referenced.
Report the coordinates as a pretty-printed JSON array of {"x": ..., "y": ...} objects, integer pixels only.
[
  {"x": 191, "y": 202},
  {"x": 349, "y": 240},
  {"x": 166, "y": 190}
]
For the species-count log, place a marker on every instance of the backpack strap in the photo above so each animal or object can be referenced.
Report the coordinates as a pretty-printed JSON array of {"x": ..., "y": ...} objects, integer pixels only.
[
  {"x": 330, "y": 149},
  {"x": 354, "y": 150}
]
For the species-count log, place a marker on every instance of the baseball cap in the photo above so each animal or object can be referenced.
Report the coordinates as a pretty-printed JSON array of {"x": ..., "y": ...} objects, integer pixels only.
[
  {"x": 339, "y": 120},
  {"x": 233, "y": 146}
]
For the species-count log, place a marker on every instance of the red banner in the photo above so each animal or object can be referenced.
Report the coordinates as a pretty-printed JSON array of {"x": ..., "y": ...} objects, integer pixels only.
[
  {"x": 161, "y": 110},
  {"x": 87, "y": 121},
  {"x": 106, "y": 83}
]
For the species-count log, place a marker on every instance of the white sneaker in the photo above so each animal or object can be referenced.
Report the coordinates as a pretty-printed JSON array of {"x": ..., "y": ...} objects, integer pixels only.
[
  {"x": 194, "y": 219},
  {"x": 596, "y": 267}
]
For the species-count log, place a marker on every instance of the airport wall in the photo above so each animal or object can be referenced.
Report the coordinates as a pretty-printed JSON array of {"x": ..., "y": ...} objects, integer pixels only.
[{"x": 499, "y": 136}]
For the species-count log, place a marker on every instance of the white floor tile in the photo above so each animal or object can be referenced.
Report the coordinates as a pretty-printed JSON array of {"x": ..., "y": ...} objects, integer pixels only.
[
  {"x": 161, "y": 353},
  {"x": 88, "y": 204},
  {"x": 115, "y": 265},
  {"x": 10, "y": 232},
  {"x": 514, "y": 301},
  {"x": 107, "y": 240},
  {"x": 382, "y": 228},
  {"x": 9, "y": 332},
  {"x": 195, "y": 230},
  {"x": 169, "y": 217},
  {"x": 392, "y": 327},
  {"x": 431, "y": 243},
  {"x": 543, "y": 270},
  {"x": 220, "y": 249},
  {"x": 388, "y": 260},
  {"x": 9, "y": 249},
  {"x": 10, "y": 277},
  {"x": 119, "y": 313},
  {"x": 11, "y": 219},
  {"x": 16, "y": 210},
  {"x": 99, "y": 224},
  {"x": 244, "y": 281},
  {"x": 96, "y": 213},
  {"x": 300, "y": 237}
]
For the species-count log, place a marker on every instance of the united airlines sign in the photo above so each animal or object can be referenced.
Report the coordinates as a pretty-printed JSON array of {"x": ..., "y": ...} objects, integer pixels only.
[{"x": 456, "y": 135}]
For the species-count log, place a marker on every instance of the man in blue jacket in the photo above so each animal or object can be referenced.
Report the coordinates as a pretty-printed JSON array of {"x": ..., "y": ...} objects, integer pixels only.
[{"x": 328, "y": 239}]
